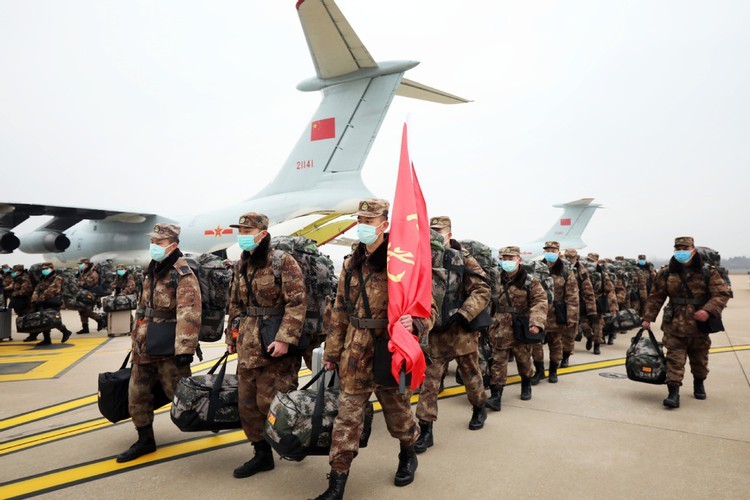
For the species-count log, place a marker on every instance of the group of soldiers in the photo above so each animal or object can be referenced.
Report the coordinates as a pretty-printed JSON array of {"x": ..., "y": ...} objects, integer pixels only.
[
  {"x": 270, "y": 302},
  {"x": 26, "y": 294}
]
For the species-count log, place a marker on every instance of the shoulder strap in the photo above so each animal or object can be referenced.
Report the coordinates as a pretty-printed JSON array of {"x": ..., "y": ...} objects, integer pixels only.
[
  {"x": 278, "y": 254},
  {"x": 685, "y": 285},
  {"x": 363, "y": 294},
  {"x": 250, "y": 294}
]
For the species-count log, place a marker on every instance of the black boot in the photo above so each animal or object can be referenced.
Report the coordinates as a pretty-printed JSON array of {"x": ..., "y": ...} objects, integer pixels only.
[
  {"x": 336, "y": 485},
  {"x": 611, "y": 339},
  {"x": 565, "y": 360},
  {"x": 597, "y": 349},
  {"x": 101, "y": 323},
  {"x": 511, "y": 357},
  {"x": 579, "y": 336},
  {"x": 552, "y": 372},
  {"x": 66, "y": 335},
  {"x": 673, "y": 400},
  {"x": 145, "y": 444},
  {"x": 538, "y": 373},
  {"x": 589, "y": 343},
  {"x": 407, "y": 466},
  {"x": 698, "y": 390},
  {"x": 459, "y": 379},
  {"x": 33, "y": 337},
  {"x": 47, "y": 340},
  {"x": 493, "y": 402},
  {"x": 85, "y": 329},
  {"x": 525, "y": 388},
  {"x": 262, "y": 461},
  {"x": 478, "y": 416},
  {"x": 425, "y": 437}
]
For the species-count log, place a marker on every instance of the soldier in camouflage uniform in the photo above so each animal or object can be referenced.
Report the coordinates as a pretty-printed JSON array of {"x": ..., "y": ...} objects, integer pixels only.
[
  {"x": 168, "y": 320},
  {"x": 258, "y": 299},
  {"x": 566, "y": 297},
  {"x": 521, "y": 295},
  {"x": 647, "y": 275},
  {"x": 455, "y": 340},
  {"x": 360, "y": 320},
  {"x": 696, "y": 293},
  {"x": 124, "y": 282},
  {"x": 88, "y": 279},
  {"x": 586, "y": 300},
  {"x": 48, "y": 295},
  {"x": 20, "y": 296},
  {"x": 605, "y": 301},
  {"x": 6, "y": 284}
]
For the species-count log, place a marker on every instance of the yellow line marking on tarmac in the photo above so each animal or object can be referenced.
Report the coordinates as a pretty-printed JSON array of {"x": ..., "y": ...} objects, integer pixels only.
[
  {"x": 52, "y": 361},
  {"x": 85, "y": 472}
]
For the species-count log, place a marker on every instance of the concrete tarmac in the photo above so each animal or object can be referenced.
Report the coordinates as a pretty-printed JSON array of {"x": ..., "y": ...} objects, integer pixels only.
[{"x": 595, "y": 434}]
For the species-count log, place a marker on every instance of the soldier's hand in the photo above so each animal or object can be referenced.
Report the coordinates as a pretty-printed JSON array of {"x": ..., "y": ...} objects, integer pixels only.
[
  {"x": 534, "y": 329},
  {"x": 646, "y": 324},
  {"x": 278, "y": 348},
  {"x": 232, "y": 348},
  {"x": 701, "y": 315},
  {"x": 329, "y": 366},
  {"x": 407, "y": 321}
]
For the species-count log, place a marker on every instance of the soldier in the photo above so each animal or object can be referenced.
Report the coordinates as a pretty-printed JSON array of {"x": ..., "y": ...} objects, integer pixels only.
[
  {"x": 586, "y": 300},
  {"x": 260, "y": 300},
  {"x": 48, "y": 295},
  {"x": 647, "y": 274},
  {"x": 88, "y": 279},
  {"x": 21, "y": 291},
  {"x": 563, "y": 314},
  {"x": 605, "y": 301},
  {"x": 124, "y": 283},
  {"x": 697, "y": 293},
  {"x": 168, "y": 320},
  {"x": 455, "y": 340},
  {"x": 360, "y": 320},
  {"x": 522, "y": 296},
  {"x": 6, "y": 285}
]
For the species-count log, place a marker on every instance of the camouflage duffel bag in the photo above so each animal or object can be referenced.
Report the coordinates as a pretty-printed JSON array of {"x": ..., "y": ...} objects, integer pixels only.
[
  {"x": 40, "y": 321},
  {"x": 85, "y": 299},
  {"x": 627, "y": 319},
  {"x": 207, "y": 402},
  {"x": 115, "y": 303},
  {"x": 300, "y": 423},
  {"x": 644, "y": 361}
]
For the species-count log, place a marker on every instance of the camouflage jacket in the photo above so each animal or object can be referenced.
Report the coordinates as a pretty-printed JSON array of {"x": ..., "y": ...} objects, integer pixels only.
[
  {"x": 124, "y": 285},
  {"x": 287, "y": 292},
  {"x": 713, "y": 297},
  {"x": 642, "y": 278},
  {"x": 88, "y": 279},
  {"x": 603, "y": 286},
  {"x": 7, "y": 284},
  {"x": 456, "y": 340},
  {"x": 22, "y": 286},
  {"x": 566, "y": 291},
  {"x": 171, "y": 289},
  {"x": 351, "y": 347},
  {"x": 586, "y": 297},
  {"x": 649, "y": 275},
  {"x": 531, "y": 302},
  {"x": 48, "y": 288}
]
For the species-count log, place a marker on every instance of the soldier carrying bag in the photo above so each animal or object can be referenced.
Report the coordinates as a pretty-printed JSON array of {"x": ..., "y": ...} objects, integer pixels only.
[
  {"x": 712, "y": 324},
  {"x": 39, "y": 321},
  {"x": 644, "y": 361}
]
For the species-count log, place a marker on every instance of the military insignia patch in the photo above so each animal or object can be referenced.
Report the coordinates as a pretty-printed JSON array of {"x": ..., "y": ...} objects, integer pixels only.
[
  {"x": 364, "y": 206},
  {"x": 157, "y": 228}
]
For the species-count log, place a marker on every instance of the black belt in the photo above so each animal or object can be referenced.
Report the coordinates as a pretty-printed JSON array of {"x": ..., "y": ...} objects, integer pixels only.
[
  {"x": 264, "y": 311},
  {"x": 508, "y": 310},
  {"x": 680, "y": 301},
  {"x": 368, "y": 323},
  {"x": 148, "y": 312}
]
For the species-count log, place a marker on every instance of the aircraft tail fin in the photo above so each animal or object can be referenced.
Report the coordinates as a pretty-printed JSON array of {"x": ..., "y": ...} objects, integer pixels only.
[{"x": 571, "y": 224}]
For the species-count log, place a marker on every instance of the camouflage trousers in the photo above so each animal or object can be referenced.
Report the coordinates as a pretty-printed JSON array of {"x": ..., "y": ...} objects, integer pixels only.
[
  {"x": 500, "y": 354},
  {"x": 143, "y": 380},
  {"x": 257, "y": 388},
  {"x": 679, "y": 350},
  {"x": 85, "y": 314},
  {"x": 349, "y": 422},
  {"x": 592, "y": 327},
  {"x": 569, "y": 338},
  {"x": 554, "y": 344},
  {"x": 468, "y": 367}
]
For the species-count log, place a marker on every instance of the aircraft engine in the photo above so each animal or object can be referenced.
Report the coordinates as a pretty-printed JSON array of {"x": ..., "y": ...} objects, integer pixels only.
[
  {"x": 45, "y": 242},
  {"x": 8, "y": 241}
]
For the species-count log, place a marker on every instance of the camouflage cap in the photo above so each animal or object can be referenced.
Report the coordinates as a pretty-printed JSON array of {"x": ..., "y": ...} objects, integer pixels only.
[
  {"x": 593, "y": 256},
  {"x": 551, "y": 244},
  {"x": 514, "y": 251},
  {"x": 18, "y": 268},
  {"x": 620, "y": 257},
  {"x": 642, "y": 256},
  {"x": 684, "y": 240},
  {"x": 373, "y": 207},
  {"x": 84, "y": 261},
  {"x": 440, "y": 222},
  {"x": 164, "y": 231},
  {"x": 4, "y": 266},
  {"x": 48, "y": 264},
  {"x": 571, "y": 252},
  {"x": 252, "y": 220}
]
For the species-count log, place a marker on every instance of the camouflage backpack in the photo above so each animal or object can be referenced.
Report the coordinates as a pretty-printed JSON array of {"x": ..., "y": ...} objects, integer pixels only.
[
  {"x": 317, "y": 268},
  {"x": 710, "y": 258},
  {"x": 69, "y": 288},
  {"x": 215, "y": 281},
  {"x": 106, "y": 270},
  {"x": 644, "y": 361},
  {"x": 447, "y": 278},
  {"x": 137, "y": 273},
  {"x": 483, "y": 255},
  {"x": 540, "y": 270}
]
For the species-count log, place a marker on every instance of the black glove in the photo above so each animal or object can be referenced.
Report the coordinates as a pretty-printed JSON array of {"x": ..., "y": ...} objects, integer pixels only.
[
  {"x": 183, "y": 360},
  {"x": 458, "y": 319}
]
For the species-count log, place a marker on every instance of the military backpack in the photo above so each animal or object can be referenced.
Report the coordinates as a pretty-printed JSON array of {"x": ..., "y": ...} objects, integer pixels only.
[
  {"x": 710, "y": 258},
  {"x": 540, "y": 270},
  {"x": 106, "y": 271},
  {"x": 70, "y": 288},
  {"x": 215, "y": 281},
  {"x": 483, "y": 255},
  {"x": 447, "y": 278}
]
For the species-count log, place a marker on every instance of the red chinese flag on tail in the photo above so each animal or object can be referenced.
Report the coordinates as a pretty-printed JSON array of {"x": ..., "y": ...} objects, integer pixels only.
[
  {"x": 409, "y": 269},
  {"x": 323, "y": 129}
]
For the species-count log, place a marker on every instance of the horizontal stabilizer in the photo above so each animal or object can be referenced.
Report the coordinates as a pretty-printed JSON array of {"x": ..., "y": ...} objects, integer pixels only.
[{"x": 410, "y": 88}]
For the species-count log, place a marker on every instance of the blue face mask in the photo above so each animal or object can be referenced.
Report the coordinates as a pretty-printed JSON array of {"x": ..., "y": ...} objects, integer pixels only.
[
  {"x": 81, "y": 266},
  {"x": 121, "y": 272},
  {"x": 158, "y": 253},
  {"x": 641, "y": 262},
  {"x": 46, "y": 272},
  {"x": 247, "y": 242},
  {"x": 6, "y": 270},
  {"x": 551, "y": 257},
  {"x": 14, "y": 274},
  {"x": 509, "y": 265},
  {"x": 682, "y": 256},
  {"x": 367, "y": 234}
]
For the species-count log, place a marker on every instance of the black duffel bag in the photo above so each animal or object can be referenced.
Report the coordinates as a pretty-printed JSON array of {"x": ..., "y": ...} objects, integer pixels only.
[
  {"x": 115, "y": 303},
  {"x": 113, "y": 393},
  {"x": 39, "y": 321},
  {"x": 207, "y": 402}
]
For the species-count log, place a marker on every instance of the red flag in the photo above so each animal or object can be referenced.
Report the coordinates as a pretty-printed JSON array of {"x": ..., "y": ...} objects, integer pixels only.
[
  {"x": 409, "y": 269},
  {"x": 323, "y": 129}
]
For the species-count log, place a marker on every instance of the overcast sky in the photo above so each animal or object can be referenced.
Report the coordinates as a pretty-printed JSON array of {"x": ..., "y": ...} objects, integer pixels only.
[{"x": 184, "y": 106}]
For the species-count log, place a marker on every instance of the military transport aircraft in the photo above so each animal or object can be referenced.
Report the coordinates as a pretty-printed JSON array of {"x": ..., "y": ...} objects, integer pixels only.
[{"x": 318, "y": 183}]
